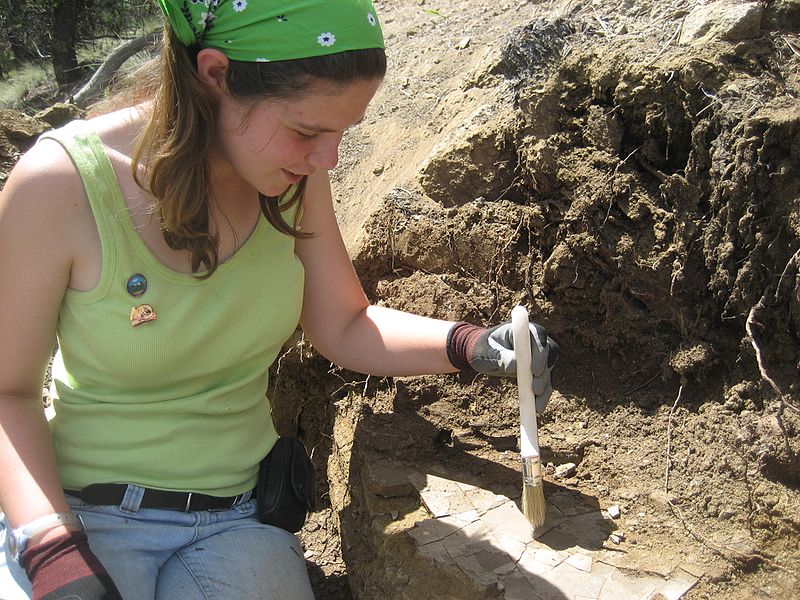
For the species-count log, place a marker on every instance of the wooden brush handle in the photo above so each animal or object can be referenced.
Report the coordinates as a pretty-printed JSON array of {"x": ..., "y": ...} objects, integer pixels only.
[{"x": 529, "y": 433}]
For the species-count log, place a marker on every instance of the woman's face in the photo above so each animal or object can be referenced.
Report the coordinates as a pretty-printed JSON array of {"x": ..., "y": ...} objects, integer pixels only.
[{"x": 274, "y": 143}]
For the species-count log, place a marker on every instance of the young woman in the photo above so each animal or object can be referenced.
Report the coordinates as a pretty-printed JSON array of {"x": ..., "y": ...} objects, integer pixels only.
[{"x": 172, "y": 247}]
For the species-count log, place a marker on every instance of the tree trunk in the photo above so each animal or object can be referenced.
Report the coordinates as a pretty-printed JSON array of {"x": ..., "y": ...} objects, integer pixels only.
[{"x": 65, "y": 60}]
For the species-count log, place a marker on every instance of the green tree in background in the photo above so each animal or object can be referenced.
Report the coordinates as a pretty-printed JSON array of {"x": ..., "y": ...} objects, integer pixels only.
[{"x": 33, "y": 30}]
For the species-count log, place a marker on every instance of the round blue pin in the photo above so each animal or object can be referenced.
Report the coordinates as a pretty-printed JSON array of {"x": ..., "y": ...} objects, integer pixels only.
[{"x": 137, "y": 285}]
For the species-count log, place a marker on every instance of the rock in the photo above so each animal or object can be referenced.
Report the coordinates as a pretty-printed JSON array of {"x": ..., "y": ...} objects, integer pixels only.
[
  {"x": 59, "y": 114},
  {"x": 565, "y": 470},
  {"x": 613, "y": 511},
  {"x": 660, "y": 497},
  {"x": 388, "y": 479},
  {"x": 463, "y": 43},
  {"x": 20, "y": 129},
  {"x": 727, "y": 20}
]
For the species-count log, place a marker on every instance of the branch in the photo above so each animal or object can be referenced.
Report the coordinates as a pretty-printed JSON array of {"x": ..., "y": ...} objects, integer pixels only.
[{"x": 94, "y": 87}]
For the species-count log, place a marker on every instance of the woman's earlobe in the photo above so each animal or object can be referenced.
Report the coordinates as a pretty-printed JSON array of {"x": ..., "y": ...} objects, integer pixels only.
[{"x": 212, "y": 68}]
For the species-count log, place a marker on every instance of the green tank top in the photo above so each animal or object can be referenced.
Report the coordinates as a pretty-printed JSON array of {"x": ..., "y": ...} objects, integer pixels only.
[{"x": 178, "y": 402}]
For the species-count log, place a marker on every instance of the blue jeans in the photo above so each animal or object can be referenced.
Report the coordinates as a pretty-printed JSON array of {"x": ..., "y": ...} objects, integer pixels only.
[{"x": 155, "y": 554}]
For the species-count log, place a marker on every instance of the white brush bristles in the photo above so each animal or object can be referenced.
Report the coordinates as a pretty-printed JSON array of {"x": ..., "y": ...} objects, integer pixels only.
[{"x": 533, "y": 504}]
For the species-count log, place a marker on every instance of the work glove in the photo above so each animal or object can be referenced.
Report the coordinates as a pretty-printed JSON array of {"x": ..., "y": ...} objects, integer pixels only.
[
  {"x": 65, "y": 568},
  {"x": 491, "y": 352}
]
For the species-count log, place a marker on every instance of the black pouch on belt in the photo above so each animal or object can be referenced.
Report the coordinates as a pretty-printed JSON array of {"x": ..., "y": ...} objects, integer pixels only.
[{"x": 285, "y": 490}]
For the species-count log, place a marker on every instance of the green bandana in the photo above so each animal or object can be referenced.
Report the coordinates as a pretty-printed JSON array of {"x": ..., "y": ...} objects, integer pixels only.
[{"x": 269, "y": 30}]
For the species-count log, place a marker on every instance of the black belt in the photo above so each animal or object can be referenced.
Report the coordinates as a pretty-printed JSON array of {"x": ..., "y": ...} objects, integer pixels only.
[{"x": 113, "y": 493}]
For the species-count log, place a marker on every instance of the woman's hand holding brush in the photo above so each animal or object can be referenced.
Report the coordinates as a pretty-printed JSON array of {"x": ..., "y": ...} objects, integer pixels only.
[{"x": 491, "y": 352}]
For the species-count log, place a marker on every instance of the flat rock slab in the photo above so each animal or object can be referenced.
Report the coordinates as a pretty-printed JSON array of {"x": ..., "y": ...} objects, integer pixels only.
[{"x": 488, "y": 538}]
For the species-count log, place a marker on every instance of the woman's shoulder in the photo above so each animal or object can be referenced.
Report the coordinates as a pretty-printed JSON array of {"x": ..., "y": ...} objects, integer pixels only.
[
  {"x": 44, "y": 197},
  {"x": 44, "y": 175}
]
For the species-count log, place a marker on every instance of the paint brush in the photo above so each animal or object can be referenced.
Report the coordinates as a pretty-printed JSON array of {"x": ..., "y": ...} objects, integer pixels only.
[{"x": 533, "y": 503}]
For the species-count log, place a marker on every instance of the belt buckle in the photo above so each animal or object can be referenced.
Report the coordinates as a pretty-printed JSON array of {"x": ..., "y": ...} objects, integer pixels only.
[{"x": 188, "y": 502}]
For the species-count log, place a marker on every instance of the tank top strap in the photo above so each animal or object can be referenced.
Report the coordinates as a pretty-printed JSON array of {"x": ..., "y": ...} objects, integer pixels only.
[
  {"x": 86, "y": 150},
  {"x": 88, "y": 154}
]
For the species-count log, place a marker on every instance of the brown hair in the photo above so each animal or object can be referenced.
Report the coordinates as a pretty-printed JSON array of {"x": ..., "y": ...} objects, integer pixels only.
[{"x": 174, "y": 145}]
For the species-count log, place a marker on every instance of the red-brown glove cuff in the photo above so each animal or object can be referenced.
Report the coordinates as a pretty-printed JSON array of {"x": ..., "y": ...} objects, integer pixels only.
[
  {"x": 460, "y": 341},
  {"x": 67, "y": 565}
]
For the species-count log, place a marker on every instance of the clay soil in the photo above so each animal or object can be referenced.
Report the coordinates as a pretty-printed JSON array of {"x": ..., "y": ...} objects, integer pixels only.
[{"x": 641, "y": 197}]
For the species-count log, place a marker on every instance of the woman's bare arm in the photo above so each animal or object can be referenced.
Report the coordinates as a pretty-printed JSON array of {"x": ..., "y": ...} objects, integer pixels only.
[
  {"x": 39, "y": 207},
  {"x": 337, "y": 316}
]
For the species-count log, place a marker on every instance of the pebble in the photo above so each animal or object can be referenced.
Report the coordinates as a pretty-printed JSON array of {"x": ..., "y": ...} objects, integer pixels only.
[
  {"x": 617, "y": 537},
  {"x": 613, "y": 511},
  {"x": 463, "y": 43},
  {"x": 565, "y": 470}
]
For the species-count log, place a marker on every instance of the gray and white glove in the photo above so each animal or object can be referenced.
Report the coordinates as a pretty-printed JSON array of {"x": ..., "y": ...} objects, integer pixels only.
[{"x": 491, "y": 352}]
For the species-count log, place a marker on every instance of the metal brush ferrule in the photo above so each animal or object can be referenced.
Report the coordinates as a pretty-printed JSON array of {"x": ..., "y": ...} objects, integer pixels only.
[{"x": 531, "y": 471}]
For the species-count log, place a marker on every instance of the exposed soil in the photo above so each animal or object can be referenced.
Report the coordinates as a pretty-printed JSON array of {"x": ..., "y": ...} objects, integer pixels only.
[{"x": 642, "y": 197}]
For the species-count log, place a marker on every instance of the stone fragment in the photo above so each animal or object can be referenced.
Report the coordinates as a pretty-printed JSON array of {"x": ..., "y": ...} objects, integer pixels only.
[
  {"x": 463, "y": 43},
  {"x": 21, "y": 129},
  {"x": 726, "y": 20},
  {"x": 565, "y": 470},
  {"x": 677, "y": 585},
  {"x": 571, "y": 581},
  {"x": 59, "y": 114},
  {"x": 517, "y": 587},
  {"x": 582, "y": 562},
  {"x": 509, "y": 521},
  {"x": 439, "y": 494},
  {"x": 621, "y": 586},
  {"x": 433, "y": 530},
  {"x": 388, "y": 479},
  {"x": 613, "y": 511}
]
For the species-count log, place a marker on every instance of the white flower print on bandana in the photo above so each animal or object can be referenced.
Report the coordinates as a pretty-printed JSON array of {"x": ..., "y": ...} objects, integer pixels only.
[
  {"x": 206, "y": 18},
  {"x": 239, "y": 5},
  {"x": 326, "y": 39},
  {"x": 372, "y": 20}
]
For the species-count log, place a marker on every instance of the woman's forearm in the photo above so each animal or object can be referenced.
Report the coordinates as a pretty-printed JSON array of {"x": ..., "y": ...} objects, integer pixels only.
[
  {"x": 383, "y": 341},
  {"x": 30, "y": 486}
]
